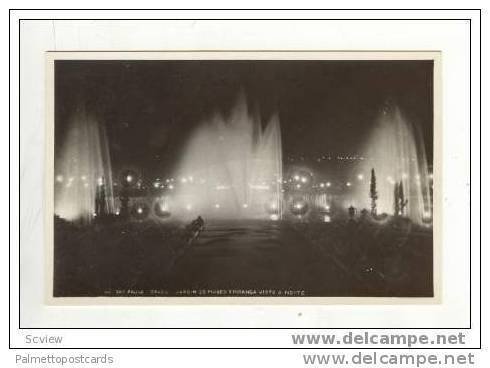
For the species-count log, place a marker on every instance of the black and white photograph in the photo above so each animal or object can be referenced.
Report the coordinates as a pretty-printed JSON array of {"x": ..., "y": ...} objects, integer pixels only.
[{"x": 243, "y": 177}]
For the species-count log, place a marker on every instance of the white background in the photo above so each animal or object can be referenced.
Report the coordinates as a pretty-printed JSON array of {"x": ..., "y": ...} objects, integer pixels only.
[{"x": 451, "y": 37}]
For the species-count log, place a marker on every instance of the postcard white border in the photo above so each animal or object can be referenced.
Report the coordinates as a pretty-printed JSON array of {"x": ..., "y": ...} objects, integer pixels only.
[{"x": 450, "y": 36}]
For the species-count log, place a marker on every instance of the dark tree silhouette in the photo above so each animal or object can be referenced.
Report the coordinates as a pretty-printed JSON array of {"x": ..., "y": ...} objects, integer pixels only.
[
  {"x": 396, "y": 202},
  {"x": 373, "y": 193},
  {"x": 401, "y": 197},
  {"x": 399, "y": 201},
  {"x": 100, "y": 202}
]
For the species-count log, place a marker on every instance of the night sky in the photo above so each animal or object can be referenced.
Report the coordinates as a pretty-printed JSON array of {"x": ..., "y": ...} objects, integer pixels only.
[{"x": 150, "y": 108}]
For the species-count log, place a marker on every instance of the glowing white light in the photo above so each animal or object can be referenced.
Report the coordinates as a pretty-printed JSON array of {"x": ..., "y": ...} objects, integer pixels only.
[
  {"x": 71, "y": 178},
  {"x": 83, "y": 177},
  {"x": 129, "y": 178},
  {"x": 191, "y": 178},
  {"x": 360, "y": 177},
  {"x": 327, "y": 218},
  {"x": 296, "y": 177},
  {"x": 117, "y": 213},
  {"x": 217, "y": 205},
  {"x": 348, "y": 183},
  {"x": 274, "y": 206},
  {"x": 426, "y": 215},
  {"x": 188, "y": 207},
  {"x": 183, "y": 180},
  {"x": 59, "y": 178},
  {"x": 245, "y": 205},
  {"x": 322, "y": 185},
  {"x": 327, "y": 207},
  {"x": 156, "y": 184},
  {"x": 170, "y": 187},
  {"x": 274, "y": 217},
  {"x": 167, "y": 180},
  {"x": 328, "y": 184},
  {"x": 431, "y": 176},
  {"x": 390, "y": 180},
  {"x": 298, "y": 206},
  {"x": 139, "y": 210},
  {"x": 94, "y": 214},
  {"x": 303, "y": 179}
]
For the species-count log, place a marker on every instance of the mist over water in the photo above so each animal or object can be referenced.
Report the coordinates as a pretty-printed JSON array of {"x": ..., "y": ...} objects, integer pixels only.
[
  {"x": 83, "y": 169},
  {"x": 231, "y": 168},
  {"x": 396, "y": 151}
]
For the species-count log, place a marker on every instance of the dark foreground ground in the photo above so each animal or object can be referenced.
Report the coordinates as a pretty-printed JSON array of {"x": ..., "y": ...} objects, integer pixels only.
[{"x": 243, "y": 258}]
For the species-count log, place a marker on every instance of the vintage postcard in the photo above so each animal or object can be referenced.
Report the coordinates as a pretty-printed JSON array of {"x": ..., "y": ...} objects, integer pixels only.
[{"x": 243, "y": 177}]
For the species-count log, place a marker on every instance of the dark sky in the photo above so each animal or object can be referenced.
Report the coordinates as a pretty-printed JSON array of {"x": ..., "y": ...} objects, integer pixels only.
[{"x": 325, "y": 107}]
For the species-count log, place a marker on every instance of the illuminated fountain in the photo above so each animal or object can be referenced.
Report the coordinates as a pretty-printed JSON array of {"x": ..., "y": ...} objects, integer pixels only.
[
  {"x": 83, "y": 176},
  {"x": 231, "y": 168},
  {"x": 397, "y": 154}
]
